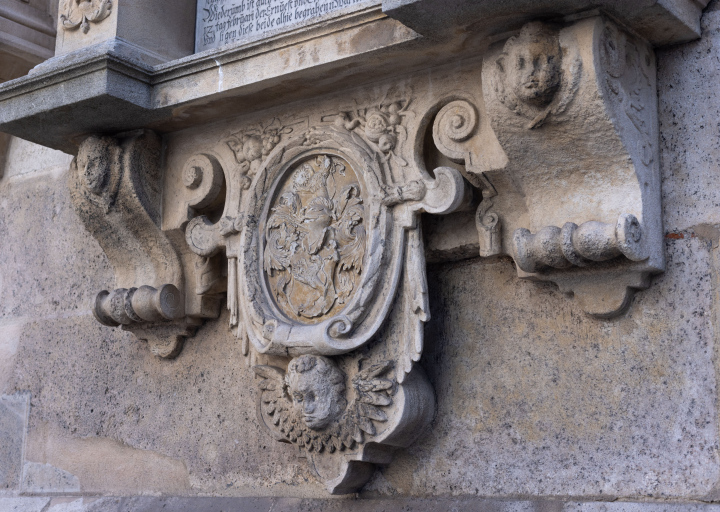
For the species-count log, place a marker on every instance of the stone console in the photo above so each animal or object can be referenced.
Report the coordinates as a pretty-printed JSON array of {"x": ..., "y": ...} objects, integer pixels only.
[{"x": 299, "y": 171}]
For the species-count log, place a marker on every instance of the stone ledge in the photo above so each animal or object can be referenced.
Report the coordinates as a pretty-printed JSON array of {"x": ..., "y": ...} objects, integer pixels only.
[
  {"x": 116, "y": 86},
  {"x": 206, "y": 504},
  {"x": 661, "y": 22}
]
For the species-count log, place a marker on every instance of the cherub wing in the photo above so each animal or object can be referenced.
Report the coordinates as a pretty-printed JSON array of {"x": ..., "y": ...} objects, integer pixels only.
[
  {"x": 274, "y": 402},
  {"x": 280, "y": 416},
  {"x": 373, "y": 390}
]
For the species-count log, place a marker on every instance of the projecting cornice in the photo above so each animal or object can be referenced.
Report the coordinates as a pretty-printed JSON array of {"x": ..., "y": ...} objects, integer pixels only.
[
  {"x": 660, "y": 22},
  {"x": 119, "y": 85}
]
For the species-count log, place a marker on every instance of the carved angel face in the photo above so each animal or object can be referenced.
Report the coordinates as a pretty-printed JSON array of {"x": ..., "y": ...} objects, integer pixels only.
[
  {"x": 253, "y": 148},
  {"x": 531, "y": 62},
  {"x": 317, "y": 388}
]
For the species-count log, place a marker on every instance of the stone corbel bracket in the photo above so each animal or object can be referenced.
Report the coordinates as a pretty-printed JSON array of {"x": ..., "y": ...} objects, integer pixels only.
[
  {"x": 115, "y": 190},
  {"x": 565, "y": 147}
]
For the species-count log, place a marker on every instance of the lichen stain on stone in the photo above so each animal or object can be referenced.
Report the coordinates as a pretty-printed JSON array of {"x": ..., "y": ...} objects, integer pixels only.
[
  {"x": 707, "y": 231},
  {"x": 378, "y": 36},
  {"x": 107, "y": 466}
]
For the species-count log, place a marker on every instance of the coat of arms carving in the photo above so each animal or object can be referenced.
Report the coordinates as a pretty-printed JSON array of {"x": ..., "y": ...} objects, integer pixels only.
[
  {"x": 315, "y": 238},
  {"x": 326, "y": 280}
]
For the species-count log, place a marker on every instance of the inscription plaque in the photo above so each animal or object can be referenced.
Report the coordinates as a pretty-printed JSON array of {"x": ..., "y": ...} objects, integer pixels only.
[{"x": 223, "y": 22}]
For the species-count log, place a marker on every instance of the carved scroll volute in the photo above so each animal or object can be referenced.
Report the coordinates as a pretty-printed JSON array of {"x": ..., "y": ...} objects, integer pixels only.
[
  {"x": 462, "y": 132},
  {"x": 115, "y": 190}
]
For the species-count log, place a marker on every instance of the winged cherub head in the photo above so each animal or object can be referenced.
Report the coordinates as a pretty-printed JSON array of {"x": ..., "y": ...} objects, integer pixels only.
[
  {"x": 317, "y": 388},
  {"x": 531, "y": 63}
]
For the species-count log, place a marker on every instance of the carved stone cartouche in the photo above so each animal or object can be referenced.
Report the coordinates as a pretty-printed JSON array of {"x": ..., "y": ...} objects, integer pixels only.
[{"x": 322, "y": 245}]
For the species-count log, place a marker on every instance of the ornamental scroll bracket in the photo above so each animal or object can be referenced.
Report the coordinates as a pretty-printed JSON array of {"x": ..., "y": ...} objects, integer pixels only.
[
  {"x": 564, "y": 145},
  {"x": 115, "y": 190}
]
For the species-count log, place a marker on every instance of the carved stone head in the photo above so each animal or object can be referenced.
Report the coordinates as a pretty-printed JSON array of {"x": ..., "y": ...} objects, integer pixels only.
[
  {"x": 317, "y": 388},
  {"x": 531, "y": 64}
]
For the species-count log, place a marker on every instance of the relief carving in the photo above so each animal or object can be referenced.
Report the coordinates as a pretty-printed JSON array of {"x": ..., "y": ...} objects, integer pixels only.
[
  {"x": 565, "y": 134},
  {"x": 308, "y": 405},
  {"x": 574, "y": 245},
  {"x": 630, "y": 72},
  {"x": 457, "y": 126},
  {"x": 251, "y": 146},
  {"x": 81, "y": 13},
  {"x": 381, "y": 127},
  {"x": 319, "y": 220},
  {"x": 315, "y": 238},
  {"x": 529, "y": 78},
  {"x": 115, "y": 190},
  {"x": 322, "y": 245}
]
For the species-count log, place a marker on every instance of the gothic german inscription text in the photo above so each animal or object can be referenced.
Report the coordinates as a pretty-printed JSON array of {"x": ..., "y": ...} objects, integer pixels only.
[{"x": 222, "y": 22}]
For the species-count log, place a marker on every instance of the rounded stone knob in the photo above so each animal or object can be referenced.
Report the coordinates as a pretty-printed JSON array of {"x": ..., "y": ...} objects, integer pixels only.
[
  {"x": 457, "y": 121},
  {"x": 192, "y": 176}
]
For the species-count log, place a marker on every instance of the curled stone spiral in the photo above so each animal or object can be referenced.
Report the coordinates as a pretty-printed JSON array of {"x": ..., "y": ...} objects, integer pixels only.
[
  {"x": 194, "y": 170},
  {"x": 457, "y": 120},
  {"x": 339, "y": 326},
  {"x": 489, "y": 220},
  {"x": 192, "y": 176}
]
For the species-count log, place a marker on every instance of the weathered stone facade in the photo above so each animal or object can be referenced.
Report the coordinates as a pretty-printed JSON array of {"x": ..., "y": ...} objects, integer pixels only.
[{"x": 454, "y": 255}]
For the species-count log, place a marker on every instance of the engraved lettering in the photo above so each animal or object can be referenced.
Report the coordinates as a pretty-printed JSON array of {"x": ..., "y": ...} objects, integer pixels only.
[{"x": 221, "y": 22}]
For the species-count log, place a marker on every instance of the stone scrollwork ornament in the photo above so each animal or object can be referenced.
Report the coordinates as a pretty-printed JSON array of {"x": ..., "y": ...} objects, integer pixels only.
[
  {"x": 79, "y": 14},
  {"x": 325, "y": 245},
  {"x": 563, "y": 145}
]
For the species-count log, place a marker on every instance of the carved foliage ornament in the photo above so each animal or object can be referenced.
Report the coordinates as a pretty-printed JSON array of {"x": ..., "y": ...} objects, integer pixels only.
[
  {"x": 81, "y": 13},
  {"x": 324, "y": 244}
]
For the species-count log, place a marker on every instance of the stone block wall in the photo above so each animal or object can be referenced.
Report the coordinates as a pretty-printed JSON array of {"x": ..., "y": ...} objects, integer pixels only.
[{"x": 540, "y": 407}]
